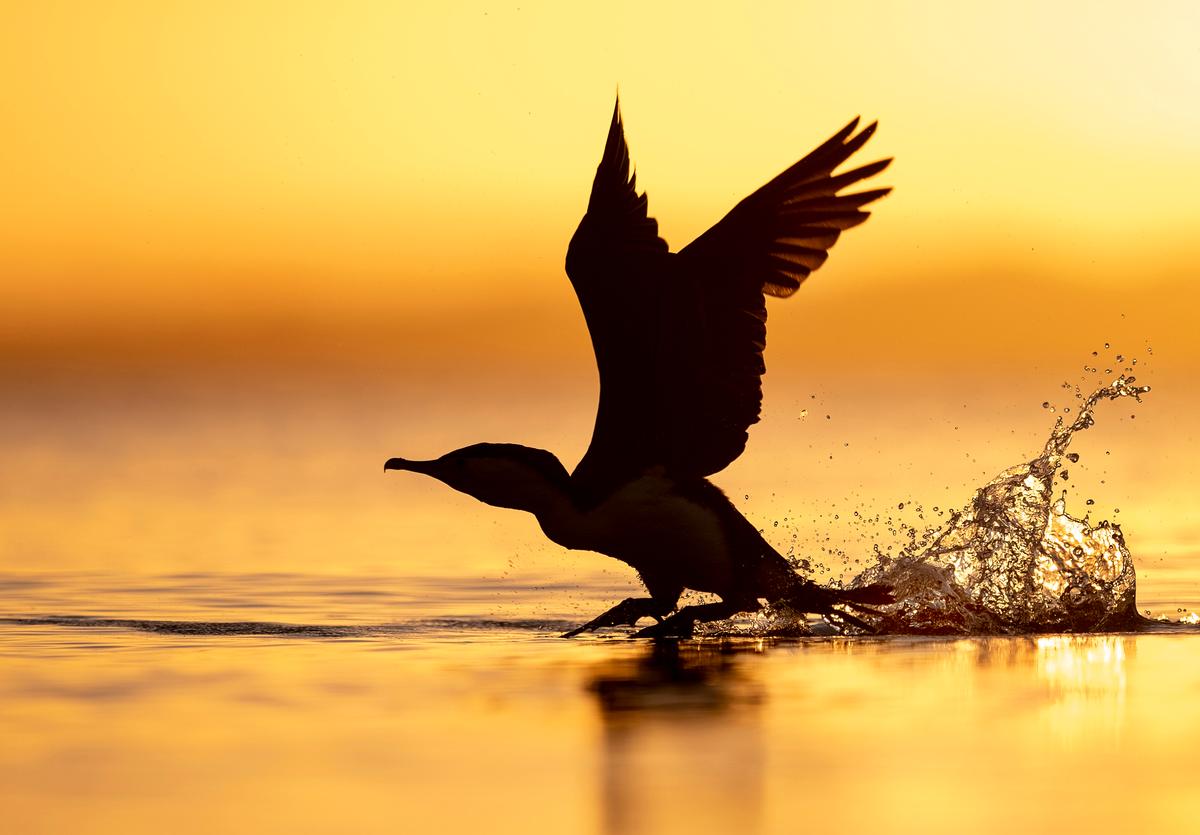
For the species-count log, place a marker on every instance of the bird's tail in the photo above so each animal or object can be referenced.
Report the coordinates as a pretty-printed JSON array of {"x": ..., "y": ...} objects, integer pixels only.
[
  {"x": 807, "y": 596},
  {"x": 876, "y": 594}
]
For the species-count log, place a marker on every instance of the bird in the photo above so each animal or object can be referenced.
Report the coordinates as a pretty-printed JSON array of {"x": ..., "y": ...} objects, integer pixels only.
[{"x": 679, "y": 339}]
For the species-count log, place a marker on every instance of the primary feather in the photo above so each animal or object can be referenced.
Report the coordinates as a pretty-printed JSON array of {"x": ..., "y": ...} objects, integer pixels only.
[{"x": 679, "y": 337}]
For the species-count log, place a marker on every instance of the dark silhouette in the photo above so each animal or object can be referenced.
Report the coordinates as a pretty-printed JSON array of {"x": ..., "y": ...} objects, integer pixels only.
[
  {"x": 657, "y": 773},
  {"x": 679, "y": 341}
]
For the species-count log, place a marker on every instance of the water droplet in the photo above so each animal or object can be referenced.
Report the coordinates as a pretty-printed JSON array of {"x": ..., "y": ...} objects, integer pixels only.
[
  {"x": 1090, "y": 501},
  {"x": 1106, "y": 345},
  {"x": 1045, "y": 404}
]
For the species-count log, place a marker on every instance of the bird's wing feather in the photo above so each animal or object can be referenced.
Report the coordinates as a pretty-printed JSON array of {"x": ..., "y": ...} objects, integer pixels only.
[
  {"x": 617, "y": 224},
  {"x": 779, "y": 234},
  {"x": 766, "y": 246},
  {"x": 679, "y": 339},
  {"x": 617, "y": 264}
]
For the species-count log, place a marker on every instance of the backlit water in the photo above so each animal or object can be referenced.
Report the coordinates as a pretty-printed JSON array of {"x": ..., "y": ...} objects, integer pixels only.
[{"x": 218, "y": 615}]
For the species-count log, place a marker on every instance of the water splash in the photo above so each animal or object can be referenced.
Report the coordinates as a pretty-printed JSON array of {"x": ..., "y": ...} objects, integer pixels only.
[{"x": 1013, "y": 559}]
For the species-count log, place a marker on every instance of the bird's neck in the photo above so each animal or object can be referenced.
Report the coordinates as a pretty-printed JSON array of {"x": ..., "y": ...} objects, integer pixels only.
[
  {"x": 548, "y": 497},
  {"x": 556, "y": 512},
  {"x": 561, "y": 520}
]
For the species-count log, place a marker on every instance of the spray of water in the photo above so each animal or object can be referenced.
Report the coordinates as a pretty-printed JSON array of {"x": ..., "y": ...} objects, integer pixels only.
[{"x": 1013, "y": 559}]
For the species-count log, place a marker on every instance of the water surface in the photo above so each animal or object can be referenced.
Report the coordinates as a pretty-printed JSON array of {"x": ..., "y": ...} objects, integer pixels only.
[
  {"x": 304, "y": 703},
  {"x": 218, "y": 615}
]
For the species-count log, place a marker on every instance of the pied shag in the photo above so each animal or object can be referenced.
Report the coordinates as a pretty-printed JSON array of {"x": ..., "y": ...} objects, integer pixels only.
[{"x": 679, "y": 340}]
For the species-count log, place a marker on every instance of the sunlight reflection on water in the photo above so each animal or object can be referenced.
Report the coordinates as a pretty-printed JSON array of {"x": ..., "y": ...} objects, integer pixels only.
[
  {"x": 382, "y": 723},
  {"x": 422, "y": 687}
]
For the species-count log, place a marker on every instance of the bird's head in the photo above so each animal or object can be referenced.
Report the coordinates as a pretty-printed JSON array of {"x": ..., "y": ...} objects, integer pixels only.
[{"x": 503, "y": 475}]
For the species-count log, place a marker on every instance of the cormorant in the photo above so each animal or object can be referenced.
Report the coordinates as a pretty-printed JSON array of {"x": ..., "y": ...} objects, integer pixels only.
[{"x": 679, "y": 341}]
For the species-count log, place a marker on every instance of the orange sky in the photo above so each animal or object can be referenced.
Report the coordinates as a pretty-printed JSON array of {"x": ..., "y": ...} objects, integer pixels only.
[
  {"x": 333, "y": 175},
  {"x": 318, "y": 189}
]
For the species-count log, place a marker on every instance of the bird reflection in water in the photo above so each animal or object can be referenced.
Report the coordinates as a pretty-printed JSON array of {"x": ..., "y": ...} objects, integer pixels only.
[{"x": 682, "y": 744}]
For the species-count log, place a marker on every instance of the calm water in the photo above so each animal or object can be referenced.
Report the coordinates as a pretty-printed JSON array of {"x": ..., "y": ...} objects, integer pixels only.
[
  {"x": 218, "y": 615},
  {"x": 190, "y": 708}
]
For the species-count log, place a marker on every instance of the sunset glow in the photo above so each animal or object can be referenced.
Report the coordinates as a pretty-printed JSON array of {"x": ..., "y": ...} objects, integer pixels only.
[
  {"x": 253, "y": 250},
  {"x": 234, "y": 168}
]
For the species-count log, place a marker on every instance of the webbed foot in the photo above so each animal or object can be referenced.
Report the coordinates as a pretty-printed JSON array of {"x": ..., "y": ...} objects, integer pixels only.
[
  {"x": 682, "y": 624},
  {"x": 626, "y": 613}
]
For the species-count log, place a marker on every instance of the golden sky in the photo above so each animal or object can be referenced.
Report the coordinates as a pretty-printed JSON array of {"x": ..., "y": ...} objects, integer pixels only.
[
  {"x": 294, "y": 168},
  {"x": 390, "y": 187}
]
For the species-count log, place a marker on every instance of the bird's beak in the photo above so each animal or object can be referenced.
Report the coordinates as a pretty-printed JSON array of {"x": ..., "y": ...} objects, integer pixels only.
[{"x": 411, "y": 466}]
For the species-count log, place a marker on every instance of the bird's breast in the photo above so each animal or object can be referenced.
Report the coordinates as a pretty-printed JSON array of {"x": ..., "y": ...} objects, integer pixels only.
[{"x": 650, "y": 526}]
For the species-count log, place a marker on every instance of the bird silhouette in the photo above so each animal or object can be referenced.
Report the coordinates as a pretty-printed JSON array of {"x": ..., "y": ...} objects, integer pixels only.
[{"x": 679, "y": 340}]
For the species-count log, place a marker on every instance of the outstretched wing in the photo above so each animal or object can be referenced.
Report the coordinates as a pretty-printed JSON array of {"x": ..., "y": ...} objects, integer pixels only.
[
  {"x": 679, "y": 338},
  {"x": 618, "y": 266},
  {"x": 767, "y": 245}
]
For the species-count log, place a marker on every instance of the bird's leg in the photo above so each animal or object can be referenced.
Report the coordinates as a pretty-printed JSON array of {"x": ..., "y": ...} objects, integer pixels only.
[
  {"x": 681, "y": 624},
  {"x": 626, "y": 613}
]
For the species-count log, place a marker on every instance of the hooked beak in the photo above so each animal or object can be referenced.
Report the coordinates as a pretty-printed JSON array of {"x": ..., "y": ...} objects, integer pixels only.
[{"x": 412, "y": 466}]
